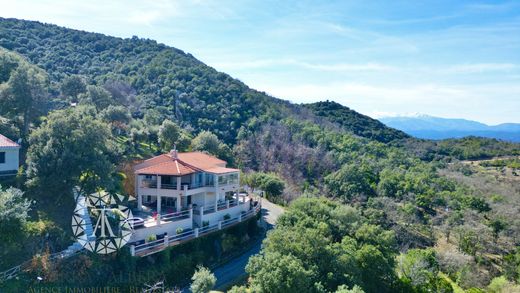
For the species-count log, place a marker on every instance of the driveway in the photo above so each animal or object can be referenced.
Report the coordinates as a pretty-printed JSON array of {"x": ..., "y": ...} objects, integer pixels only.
[{"x": 234, "y": 269}]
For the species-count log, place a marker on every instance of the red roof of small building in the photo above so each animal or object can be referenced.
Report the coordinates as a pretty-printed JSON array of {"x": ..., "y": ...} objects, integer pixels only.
[
  {"x": 7, "y": 143},
  {"x": 183, "y": 164}
]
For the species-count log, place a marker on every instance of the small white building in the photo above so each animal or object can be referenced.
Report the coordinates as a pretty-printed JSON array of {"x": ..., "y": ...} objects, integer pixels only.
[{"x": 9, "y": 156}]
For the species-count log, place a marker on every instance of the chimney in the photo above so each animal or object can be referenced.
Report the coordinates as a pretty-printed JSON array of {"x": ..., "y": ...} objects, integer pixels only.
[{"x": 173, "y": 153}]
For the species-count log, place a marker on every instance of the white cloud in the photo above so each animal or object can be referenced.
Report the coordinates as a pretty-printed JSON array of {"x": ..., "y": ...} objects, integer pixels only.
[
  {"x": 267, "y": 63},
  {"x": 481, "y": 67}
]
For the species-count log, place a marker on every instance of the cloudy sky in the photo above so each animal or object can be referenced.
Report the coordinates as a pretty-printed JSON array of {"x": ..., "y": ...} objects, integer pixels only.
[{"x": 443, "y": 58}]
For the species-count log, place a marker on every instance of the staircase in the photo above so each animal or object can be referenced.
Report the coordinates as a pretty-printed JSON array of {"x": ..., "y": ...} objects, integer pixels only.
[{"x": 76, "y": 246}]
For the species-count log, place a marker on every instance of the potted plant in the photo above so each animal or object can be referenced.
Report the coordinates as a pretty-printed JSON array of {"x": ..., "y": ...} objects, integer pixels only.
[
  {"x": 179, "y": 230},
  {"x": 227, "y": 217},
  {"x": 151, "y": 238},
  {"x": 205, "y": 223}
]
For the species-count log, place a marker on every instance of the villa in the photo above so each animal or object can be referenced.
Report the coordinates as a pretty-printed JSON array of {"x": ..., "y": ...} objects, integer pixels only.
[
  {"x": 186, "y": 194},
  {"x": 9, "y": 156}
]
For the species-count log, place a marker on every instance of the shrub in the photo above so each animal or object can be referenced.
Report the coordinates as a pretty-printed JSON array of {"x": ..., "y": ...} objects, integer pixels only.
[
  {"x": 179, "y": 230},
  {"x": 202, "y": 280},
  {"x": 227, "y": 217},
  {"x": 205, "y": 223},
  {"x": 151, "y": 238}
]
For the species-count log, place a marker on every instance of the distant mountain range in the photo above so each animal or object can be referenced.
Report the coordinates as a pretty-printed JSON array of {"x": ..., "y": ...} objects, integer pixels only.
[{"x": 425, "y": 126}]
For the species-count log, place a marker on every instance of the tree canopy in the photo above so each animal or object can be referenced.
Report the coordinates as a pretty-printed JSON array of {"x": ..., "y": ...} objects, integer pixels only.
[{"x": 71, "y": 148}]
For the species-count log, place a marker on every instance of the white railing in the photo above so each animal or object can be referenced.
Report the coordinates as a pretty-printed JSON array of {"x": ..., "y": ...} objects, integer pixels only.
[
  {"x": 208, "y": 228},
  {"x": 158, "y": 245},
  {"x": 169, "y": 186},
  {"x": 222, "y": 205},
  {"x": 182, "y": 236},
  {"x": 175, "y": 216},
  {"x": 147, "y": 183},
  {"x": 149, "y": 245}
]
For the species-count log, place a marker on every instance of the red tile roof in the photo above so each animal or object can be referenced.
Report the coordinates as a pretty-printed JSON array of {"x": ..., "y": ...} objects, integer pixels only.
[
  {"x": 183, "y": 164},
  {"x": 7, "y": 143}
]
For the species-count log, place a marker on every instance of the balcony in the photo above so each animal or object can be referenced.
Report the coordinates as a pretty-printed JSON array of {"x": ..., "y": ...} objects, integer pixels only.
[
  {"x": 212, "y": 213},
  {"x": 151, "y": 223},
  {"x": 168, "y": 239}
]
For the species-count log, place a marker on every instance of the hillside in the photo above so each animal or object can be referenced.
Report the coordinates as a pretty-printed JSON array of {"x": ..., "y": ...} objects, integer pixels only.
[
  {"x": 354, "y": 122},
  {"x": 362, "y": 195},
  {"x": 424, "y": 126}
]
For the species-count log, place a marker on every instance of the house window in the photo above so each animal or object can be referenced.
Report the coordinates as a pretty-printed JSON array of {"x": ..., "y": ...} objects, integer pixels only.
[{"x": 2, "y": 157}]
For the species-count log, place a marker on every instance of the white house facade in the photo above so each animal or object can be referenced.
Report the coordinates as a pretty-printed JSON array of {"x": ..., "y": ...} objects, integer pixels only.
[
  {"x": 181, "y": 192},
  {"x": 9, "y": 156}
]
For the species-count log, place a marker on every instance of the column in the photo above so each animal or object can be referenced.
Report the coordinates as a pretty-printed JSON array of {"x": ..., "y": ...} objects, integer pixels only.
[
  {"x": 136, "y": 187},
  {"x": 158, "y": 204},
  {"x": 178, "y": 182},
  {"x": 132, "y": 250},
  {"x": 216, "y": 201},
  {"x": 178, "y": 203},
  {"x": 139, "y": 202}
]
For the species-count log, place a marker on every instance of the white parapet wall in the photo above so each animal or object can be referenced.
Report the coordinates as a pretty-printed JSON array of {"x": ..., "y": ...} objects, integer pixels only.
[
  {"x": 217, "y": 216},
  {"x": 168, "y": 227}
]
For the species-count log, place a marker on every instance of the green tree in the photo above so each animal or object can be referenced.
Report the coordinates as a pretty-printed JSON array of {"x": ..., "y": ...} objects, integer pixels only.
[
  {"x": 352, "y": 180},
  {"x": 206, "y": 141},
  {"x": 24, "y": 96},
  {"x": 117, "y": 116},
  {"x": 272, "y": 185},
  {"x": 253, "y": 180},
  {"x": 209, "y": 142},
  {"x": 345, "y": 289},
  {"x": 238, "y": 289},
  {"x": 97, "y": 96},
  {"x": 71, "y": 148},
  {"x": 14, "y": 209},
  {"x": 419, "y": 268},
  {"x": 202, "y": 280},
  {"x": 72, "y": 86},
  {"x": 275, "y": 272},
  {"x": 169, "y": 135}
]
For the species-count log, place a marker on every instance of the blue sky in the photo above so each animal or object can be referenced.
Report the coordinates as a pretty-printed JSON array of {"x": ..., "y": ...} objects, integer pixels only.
[{"x": 443, "y": 58}]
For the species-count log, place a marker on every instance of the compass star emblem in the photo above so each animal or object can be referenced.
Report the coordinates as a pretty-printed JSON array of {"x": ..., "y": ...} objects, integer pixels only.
[{"x": 100, "y": 222}]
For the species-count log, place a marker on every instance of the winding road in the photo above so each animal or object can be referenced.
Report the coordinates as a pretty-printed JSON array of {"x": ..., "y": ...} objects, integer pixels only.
[{"x": 227, "y": 273}]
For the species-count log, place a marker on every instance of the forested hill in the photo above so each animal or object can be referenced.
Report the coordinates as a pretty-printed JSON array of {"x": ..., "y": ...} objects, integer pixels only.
[
  {"x": 355, "y": 122},
  {"x": 161, "y": 77},
  {"x": 87, "y": 106},
  {"x": 175, "y": 83}
]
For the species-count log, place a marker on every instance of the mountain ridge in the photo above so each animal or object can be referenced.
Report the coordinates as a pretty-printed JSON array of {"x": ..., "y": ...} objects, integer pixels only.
[{"x": 431, "y": 127}]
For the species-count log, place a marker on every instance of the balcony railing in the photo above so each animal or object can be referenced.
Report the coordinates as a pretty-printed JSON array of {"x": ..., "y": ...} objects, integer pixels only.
[
  {"x": 168, "y": 186},
  {"x": 144, "y": 249},
  {"x": 146, "y": 183},
  {"x": 149, "y": 183}
]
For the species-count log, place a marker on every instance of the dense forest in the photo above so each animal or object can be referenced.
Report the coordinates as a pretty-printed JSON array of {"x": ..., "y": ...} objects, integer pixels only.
[{"x": 370, "y": 208}]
